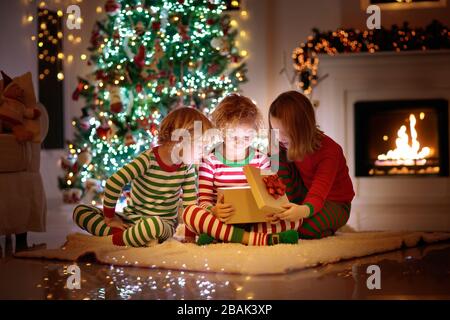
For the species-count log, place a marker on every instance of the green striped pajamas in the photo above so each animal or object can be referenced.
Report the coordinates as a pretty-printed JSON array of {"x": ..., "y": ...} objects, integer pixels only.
[{"x": 152, "y": 212}]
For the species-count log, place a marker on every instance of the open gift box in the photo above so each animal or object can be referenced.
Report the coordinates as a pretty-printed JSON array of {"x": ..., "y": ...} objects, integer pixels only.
[{"x": 252, "y": 203}]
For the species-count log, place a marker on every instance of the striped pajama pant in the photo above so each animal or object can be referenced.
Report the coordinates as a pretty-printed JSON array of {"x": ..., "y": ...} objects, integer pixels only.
[{"x": 141, "y": 231}]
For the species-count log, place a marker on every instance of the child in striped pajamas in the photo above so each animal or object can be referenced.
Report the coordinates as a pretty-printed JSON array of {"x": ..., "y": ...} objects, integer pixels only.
[
  {"x": 157, "y": 183},
  {"x": 314, "y": 169},
  {"x": 225, "y": 169}
]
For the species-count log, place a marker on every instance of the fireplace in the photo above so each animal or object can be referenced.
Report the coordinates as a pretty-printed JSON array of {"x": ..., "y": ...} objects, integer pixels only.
[{"x": 401, "y": 138}]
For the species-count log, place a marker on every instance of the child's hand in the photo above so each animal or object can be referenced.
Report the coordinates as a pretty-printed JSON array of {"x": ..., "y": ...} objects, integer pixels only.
[
  {"x": 223, "y": 211},
  {"x": 116, "y": 222},
  {"x": 271, "y": 218},
  {"x": 293, "y": 212}
]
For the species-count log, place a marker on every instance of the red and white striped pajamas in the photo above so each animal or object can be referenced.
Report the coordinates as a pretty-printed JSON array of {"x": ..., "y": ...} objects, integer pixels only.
[{"x": 216, "y": 172}]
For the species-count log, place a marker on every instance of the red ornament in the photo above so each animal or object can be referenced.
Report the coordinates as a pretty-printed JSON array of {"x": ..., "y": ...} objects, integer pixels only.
[
  {"x": 101, "y": 75},
  {"x": 213, "y": 69},
  {"x": 129, "y": 139},
  {"x": 111, "y": 6},
  {"x": 138, "y": 88},
  {"x": 139, "y": 58},
  {"x": 144, "y": 123},
  {"x": 183, "y": 31},
  {"x": 210, "y": 22},
  {"x": 116, "y": 107},
  {"x": 96, "y": 38},
  {"x": 153, "y": 129},
  {"x": 181, "y": 1},
  {"x": 274, "y": 185},
  {"x": 103, "y": 131},
  {"x": 172, "y": 79},
  {"x": 156, "y": 25},
  {"x": 235, "y": 59},
  {"x": 77, "y": 91},
  {"x": 85, "y": 124}
]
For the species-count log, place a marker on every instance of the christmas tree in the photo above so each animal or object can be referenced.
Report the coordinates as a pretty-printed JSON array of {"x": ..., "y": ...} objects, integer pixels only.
[{"x": 148, "y": 56}]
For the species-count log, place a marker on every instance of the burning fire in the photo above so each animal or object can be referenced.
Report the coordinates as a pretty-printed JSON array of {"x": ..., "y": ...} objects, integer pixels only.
[{"x": 405, "y": 153}]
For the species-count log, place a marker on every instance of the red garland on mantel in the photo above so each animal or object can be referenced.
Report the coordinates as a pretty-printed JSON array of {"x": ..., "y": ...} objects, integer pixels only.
[{"x": 434, "y": 36}]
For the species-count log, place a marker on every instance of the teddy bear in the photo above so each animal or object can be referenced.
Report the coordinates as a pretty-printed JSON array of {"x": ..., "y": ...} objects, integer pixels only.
[{"x": 15, "y": 111}]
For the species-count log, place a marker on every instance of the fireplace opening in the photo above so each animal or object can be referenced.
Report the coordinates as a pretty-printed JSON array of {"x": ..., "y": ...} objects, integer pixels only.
[{"x": 401, "y": 138}]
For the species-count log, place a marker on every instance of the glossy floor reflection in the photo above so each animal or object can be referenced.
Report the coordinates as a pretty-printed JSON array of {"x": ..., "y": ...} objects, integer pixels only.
[{"x": 416, "y": 273}]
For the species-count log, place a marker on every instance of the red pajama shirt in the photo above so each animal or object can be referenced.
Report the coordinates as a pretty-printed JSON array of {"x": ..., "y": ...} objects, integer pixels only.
[{"x": 325, "y": 175}]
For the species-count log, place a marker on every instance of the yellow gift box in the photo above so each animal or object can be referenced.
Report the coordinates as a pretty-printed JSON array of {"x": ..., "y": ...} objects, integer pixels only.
[{"x": 251, "y": 203}]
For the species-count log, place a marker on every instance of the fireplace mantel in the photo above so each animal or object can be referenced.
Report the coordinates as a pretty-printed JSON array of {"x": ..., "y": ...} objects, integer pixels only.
[{"x": 385, "y": 203}]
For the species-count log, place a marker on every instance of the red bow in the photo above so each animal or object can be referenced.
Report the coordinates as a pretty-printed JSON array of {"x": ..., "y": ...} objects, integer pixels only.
[{"x": 275, "y": 186}]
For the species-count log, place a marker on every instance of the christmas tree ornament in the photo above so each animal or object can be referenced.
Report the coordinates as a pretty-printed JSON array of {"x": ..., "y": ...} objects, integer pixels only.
[
  {"x": 183, "y": 31},
  {"x": 84, "y": 157},
  {"x": 139, "y": 28},
  {"x": 129, "y": 139},
  {"x": 225, "y": 49},
  {"x": 67, "y": 163},
  {"x": 92, "y": 189},
  {"x": 235, "y": 58},
  {"x": 172, "y": 80},
  {"x": 159, "y": 53},
  {"x": 139, "y": 58},
  {"x": 115, "y": 101},
  {"x": 103, "y": 131},
  {"x": 156, "y": 25},
  {"x": 80, "y": 87},
  {"x": 213, "y": 69},
  {"x": 112, "y": 7},
  {"x": 84, "y": 123},
  {"x": 101, "y": 75},
  {"x": 217, "y": 43}
]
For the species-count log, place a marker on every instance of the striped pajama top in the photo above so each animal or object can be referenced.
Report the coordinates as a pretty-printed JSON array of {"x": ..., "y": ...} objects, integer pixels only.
[
  {"x": 217, "y": 172},
  {"x": 155, "y": 187}
]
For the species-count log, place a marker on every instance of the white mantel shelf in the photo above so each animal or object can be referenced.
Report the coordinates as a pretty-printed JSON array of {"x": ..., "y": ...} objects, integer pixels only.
[{"x": 385, "y": 203}]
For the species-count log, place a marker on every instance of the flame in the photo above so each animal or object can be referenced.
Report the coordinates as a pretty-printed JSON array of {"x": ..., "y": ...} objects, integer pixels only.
[{"x": 406, "y": 153}]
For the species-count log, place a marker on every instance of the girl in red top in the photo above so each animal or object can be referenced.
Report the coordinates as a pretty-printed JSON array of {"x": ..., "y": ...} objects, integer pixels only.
[{"x": 313, "y": 167}]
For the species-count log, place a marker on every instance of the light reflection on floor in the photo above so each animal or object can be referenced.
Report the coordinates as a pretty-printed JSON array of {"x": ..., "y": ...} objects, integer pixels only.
[
  {"x": 406, "y": 274},
  {"x": 415, "y": 273}
]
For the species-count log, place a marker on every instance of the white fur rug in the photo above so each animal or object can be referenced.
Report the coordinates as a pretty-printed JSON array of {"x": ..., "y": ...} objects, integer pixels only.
[{"x": 237, "y": 258}]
